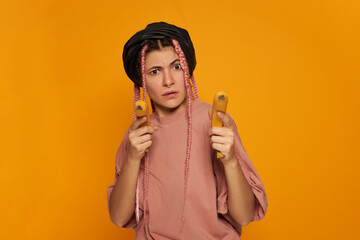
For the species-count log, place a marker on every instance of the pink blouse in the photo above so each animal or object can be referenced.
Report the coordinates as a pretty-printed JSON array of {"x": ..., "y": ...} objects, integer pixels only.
[{"x": 206, "y": 210}]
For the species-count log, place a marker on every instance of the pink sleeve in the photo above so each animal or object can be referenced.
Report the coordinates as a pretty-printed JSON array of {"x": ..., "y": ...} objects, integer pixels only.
[
  {"x": 120, "y": 156},
  {"x": 251, "y": 176}
]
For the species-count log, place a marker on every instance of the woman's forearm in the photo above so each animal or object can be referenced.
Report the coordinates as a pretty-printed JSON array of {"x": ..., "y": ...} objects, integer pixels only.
[
  {"x": 122, "y": 198},
  {"x": 241, "y": 200}
]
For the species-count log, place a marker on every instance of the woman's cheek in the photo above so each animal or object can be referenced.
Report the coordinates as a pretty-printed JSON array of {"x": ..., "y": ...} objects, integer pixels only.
[{"x": 153, "y": 90}]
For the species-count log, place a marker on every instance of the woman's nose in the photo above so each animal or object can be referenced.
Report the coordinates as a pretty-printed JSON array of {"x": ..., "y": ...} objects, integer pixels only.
[{"x": 168, "y": 79}]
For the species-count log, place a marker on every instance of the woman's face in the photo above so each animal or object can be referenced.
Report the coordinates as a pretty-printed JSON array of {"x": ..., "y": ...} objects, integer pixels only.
[{"x": 165, "y": 81}]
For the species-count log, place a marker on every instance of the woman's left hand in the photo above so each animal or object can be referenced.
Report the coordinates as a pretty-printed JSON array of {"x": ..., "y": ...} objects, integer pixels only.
[{"x": 222, "y": 138}]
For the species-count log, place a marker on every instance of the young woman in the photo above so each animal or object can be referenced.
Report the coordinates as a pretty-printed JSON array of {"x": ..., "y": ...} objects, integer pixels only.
[{"x": 168, "y": 182}]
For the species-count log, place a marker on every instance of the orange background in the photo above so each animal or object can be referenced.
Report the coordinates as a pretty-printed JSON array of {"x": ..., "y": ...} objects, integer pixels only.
[{"x": 290, "y": 68}]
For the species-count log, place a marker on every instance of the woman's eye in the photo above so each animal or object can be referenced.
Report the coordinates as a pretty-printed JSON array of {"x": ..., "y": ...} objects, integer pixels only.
[
  {"x": 154, "y": 71},
  {"x": 177, "y": 66}
]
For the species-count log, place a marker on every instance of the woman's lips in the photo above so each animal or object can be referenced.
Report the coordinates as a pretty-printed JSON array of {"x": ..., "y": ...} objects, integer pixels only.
[{"x": 170, "y": 94}]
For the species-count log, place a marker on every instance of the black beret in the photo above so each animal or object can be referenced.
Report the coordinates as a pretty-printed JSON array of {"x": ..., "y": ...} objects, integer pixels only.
[{"x": 153, "y": 31}]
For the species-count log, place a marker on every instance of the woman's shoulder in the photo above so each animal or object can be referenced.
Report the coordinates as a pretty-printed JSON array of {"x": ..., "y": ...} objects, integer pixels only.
[
  {"x": 201, "y": 107},
  {"x": 201, "y": 112}
]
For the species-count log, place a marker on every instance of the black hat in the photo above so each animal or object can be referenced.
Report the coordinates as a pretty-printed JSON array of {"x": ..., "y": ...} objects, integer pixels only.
[{"x": 153, "y": 31}]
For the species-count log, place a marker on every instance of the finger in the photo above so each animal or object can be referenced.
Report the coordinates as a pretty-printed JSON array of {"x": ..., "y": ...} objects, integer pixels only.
[
  {"x": 145, "y": 145},
  {"x": 225, "y": 119},
  {"x": 219, "y": 140},
  {"x": 223, "y": 148},
  {"x": 137, "y": 122},
  {"x": 217, "y": 147},
  {"x": 210, "y": 132},
  {"x": 142, "y": 139},
  {"x": 218, "y": 131},
  {"x": 222, "y": 131},
  {"x": 143, "y": 130}
]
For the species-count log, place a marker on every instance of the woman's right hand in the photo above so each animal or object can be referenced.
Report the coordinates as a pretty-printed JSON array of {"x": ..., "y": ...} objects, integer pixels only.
[{"x": 139, "y": 139}]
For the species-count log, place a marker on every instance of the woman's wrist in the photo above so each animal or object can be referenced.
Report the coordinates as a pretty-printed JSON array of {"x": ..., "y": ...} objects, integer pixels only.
[
  {"x": 133, "y": 160},
  {"x": 231, "y": 163}
]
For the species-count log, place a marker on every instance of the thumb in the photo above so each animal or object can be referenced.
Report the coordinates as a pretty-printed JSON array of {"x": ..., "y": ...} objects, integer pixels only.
[{"x": 225, "y": 119}]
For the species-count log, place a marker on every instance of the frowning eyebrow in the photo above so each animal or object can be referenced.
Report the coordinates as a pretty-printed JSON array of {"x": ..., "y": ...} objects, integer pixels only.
[{"x": 159, "y": 67}]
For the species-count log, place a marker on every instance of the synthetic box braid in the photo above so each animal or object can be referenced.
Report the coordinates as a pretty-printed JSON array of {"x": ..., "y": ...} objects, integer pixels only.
[{"x": 191, "y": 93}]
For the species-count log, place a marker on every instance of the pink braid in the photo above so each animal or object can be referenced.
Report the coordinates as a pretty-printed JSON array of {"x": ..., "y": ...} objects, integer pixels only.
[
  {"x": 190, "y": 96},
  {"x": 146, "y": 172},
  {"x": 194, "y": 86},
  {"x": 143, "y": 54},
  {"x": 136, "y": 98}
]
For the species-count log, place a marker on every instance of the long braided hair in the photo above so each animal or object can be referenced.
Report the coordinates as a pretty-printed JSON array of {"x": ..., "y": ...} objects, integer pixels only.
[{"x": 192, "y": 93}]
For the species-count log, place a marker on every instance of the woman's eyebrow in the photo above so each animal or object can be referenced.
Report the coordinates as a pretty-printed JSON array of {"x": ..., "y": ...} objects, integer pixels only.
[
  {"x": 155, "y": 67},
  {"x": 174, "y": 61},
  {"x": 159, "y": 67}
]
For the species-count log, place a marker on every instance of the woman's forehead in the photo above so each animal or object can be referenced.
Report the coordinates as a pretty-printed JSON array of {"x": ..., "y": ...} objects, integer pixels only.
[{"x": 160, "y": 57}]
